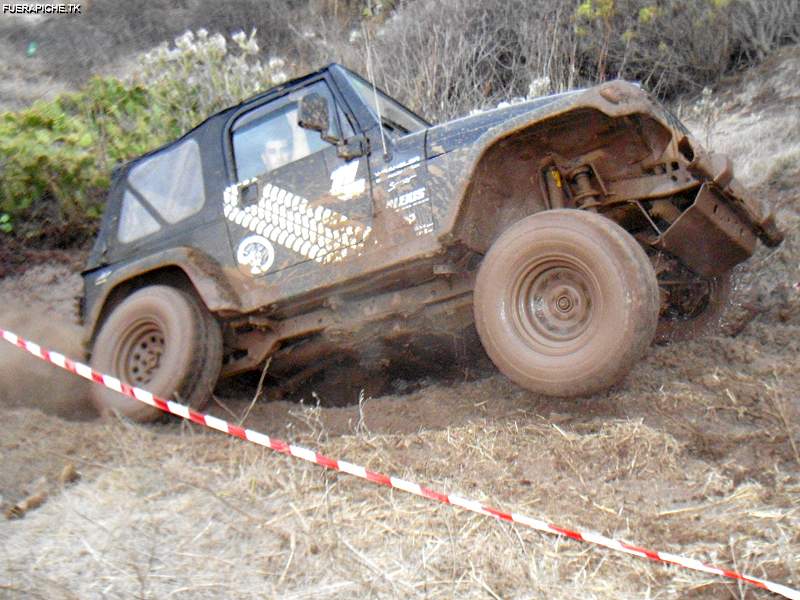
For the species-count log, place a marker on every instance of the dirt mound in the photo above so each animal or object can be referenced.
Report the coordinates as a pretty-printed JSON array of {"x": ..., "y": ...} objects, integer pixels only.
[
  {"x": 16, "y": 258},
  {"x": 753, "y": 117}
]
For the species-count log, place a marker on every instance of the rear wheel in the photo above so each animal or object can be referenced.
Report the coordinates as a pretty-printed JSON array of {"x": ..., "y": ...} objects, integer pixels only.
[
  {"x": 566, "y": 302},
  {"x": 160, "y": 339}
]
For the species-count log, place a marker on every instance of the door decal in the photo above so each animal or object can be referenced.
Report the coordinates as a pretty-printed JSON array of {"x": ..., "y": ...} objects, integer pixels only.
[
  {"x": 257, "y": 253},
  {"x": 344, "y": 184},
  {"x": 286, "y": 219}
]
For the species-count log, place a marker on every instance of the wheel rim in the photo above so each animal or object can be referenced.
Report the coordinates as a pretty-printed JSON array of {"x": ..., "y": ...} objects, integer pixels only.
[
  {"x": 553, "y": 301},
  {"x": 141, "y": 352}
]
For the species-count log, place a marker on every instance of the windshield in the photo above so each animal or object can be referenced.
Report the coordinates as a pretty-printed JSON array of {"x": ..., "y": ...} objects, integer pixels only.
[{"x": 396, "y": 118}]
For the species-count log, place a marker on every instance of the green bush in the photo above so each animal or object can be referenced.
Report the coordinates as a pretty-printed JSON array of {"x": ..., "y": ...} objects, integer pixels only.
[{"x": 56, "y": 157}]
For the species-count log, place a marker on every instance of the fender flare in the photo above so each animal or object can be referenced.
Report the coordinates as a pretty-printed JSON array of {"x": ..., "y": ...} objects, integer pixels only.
[{"x": 180, "y": 266}]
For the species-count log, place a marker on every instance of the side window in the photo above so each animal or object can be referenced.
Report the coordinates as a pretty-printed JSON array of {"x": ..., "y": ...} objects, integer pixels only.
[
  {"x": 267, "y": 139},
  {"x": 170, "y": 182},
  {"x": 134, "y": 221}
]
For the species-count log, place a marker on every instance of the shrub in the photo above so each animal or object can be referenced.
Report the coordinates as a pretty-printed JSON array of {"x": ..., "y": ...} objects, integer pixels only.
[
  {"x": 203, "y": 74},
  {"x": 56, "y": 157},
  {"x": 448, "y": 57}
]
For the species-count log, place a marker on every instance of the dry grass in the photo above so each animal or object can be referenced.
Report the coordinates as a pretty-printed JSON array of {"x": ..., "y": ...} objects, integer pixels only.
[
  {"x": 187, "y": 513},
  {"x": 690, "y": 456}
]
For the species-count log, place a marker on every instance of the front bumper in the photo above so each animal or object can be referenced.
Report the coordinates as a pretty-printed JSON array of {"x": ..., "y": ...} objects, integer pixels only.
[
  {"x": 721, "y": 227},
  {"x": 717, "y": 169}
]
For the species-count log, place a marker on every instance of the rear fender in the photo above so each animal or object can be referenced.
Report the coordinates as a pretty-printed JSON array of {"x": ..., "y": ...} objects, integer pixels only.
[{"x": 182, "y": 267}]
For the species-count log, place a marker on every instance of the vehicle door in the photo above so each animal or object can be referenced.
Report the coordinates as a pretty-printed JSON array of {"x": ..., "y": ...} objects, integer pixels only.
[{"x": 293, "y": 200}]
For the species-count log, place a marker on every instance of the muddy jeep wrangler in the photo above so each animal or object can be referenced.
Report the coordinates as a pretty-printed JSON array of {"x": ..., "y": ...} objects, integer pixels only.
[{"x": 322, "y": 218}]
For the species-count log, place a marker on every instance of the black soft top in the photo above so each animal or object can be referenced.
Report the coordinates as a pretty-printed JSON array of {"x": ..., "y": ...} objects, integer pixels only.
[
  {"x": 207, "y": 135},
  {"x": 225, "y": 112}
]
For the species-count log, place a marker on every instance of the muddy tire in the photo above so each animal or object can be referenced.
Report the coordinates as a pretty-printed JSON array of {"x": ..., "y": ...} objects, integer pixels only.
[
  {"x": 566, "y": 302},
  {"x": 677, "y": 326},
  {"x": 160, "y": 339}
]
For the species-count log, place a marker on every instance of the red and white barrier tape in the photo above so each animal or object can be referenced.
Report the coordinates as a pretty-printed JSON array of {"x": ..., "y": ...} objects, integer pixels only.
[{"x": 393, "y": 482}]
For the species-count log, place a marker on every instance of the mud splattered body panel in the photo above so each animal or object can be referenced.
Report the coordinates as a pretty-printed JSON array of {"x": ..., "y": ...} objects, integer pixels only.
[{"x": 316, "y": 237}]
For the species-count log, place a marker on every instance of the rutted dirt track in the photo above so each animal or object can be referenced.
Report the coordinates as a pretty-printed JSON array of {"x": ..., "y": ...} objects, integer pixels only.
[{"x": 697, "y": 453}]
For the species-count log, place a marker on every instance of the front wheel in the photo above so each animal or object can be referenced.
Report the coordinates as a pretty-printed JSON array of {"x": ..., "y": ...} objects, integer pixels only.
[
  {"x": 566, "y": 302},
  {"x": 160, "y": 339}
]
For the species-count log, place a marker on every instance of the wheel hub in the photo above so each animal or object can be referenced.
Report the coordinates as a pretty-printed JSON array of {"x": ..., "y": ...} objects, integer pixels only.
[
  {"x": 554, "y": 302},
  {"x": 141, "y": 358},
  {"x": 564, "y": 304}
]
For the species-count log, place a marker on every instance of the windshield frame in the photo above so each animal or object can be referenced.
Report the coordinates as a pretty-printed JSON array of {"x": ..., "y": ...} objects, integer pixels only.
[{"x": 397, "y": 119}]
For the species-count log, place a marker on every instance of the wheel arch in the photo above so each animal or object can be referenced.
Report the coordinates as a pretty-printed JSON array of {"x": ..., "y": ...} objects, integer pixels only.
[
  {"x": 184, "y": 269},
  {"x": 507, "y": 181}
]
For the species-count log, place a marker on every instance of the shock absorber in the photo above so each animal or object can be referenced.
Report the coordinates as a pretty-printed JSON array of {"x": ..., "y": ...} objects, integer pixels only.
[
  {"x": 555, "y": 187},
  {"x": 585, "y": 195}
]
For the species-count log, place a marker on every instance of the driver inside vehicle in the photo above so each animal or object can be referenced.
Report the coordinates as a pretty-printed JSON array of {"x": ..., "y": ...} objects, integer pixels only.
[{"x": 276, "y": 153}]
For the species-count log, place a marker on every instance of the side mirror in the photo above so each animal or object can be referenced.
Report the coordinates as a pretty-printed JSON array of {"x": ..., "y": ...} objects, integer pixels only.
[{"x": 313, "y": 114}]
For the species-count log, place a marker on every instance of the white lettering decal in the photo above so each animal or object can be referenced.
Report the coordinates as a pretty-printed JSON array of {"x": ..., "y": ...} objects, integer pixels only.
[
  {"x": 393, "y": 185},
  {"x": 408, "y": 200},
  {"x": 344, "y": 184},
  {"x": 394, "y": 170}
]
